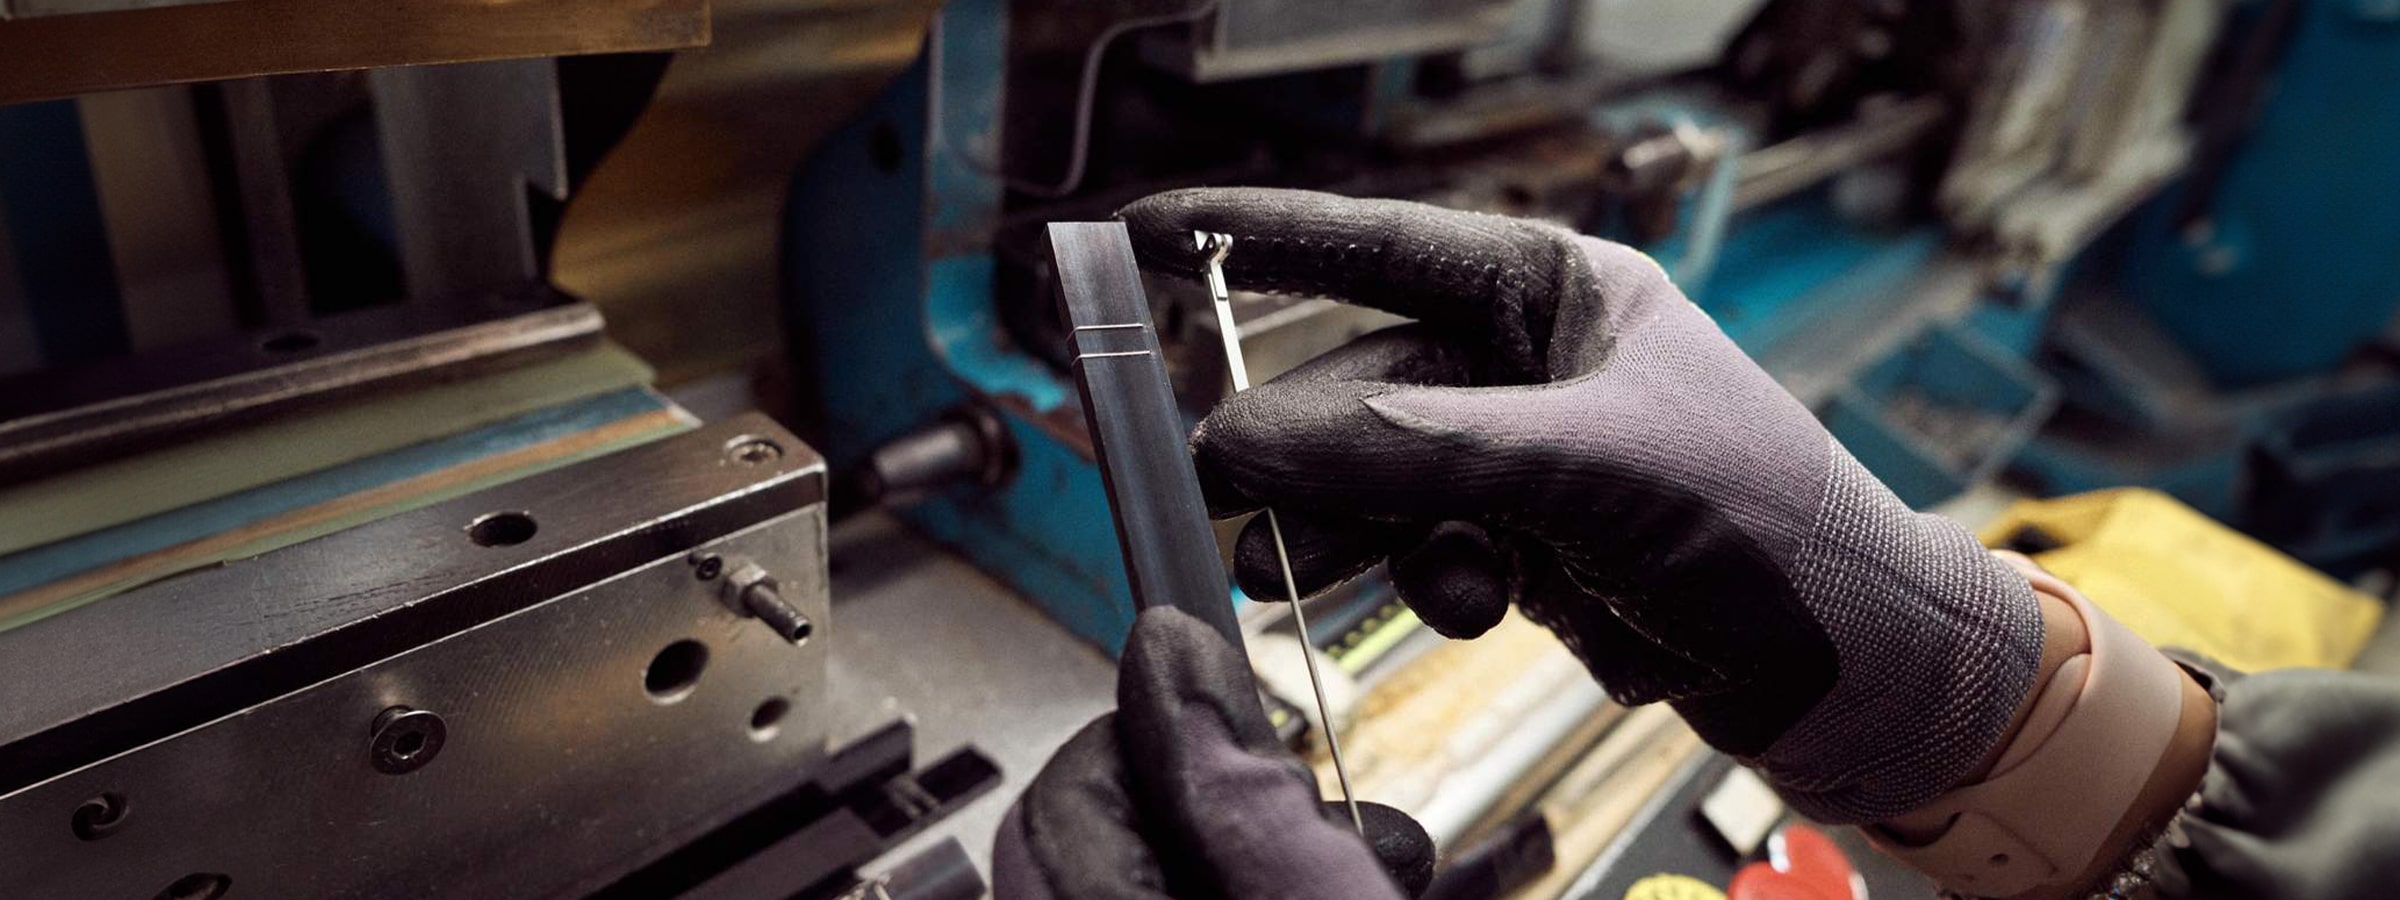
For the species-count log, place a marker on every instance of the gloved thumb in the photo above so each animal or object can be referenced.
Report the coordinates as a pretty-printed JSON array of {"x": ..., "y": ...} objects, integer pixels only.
[
  {"x": 1400, "y": 842},
  {"x": 1225, "y": 803}
]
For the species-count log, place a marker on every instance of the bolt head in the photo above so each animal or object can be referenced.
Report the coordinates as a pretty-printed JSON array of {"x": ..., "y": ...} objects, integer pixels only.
[
  {"x": 747, "y": 575},
  {"x": 404, "y": 740},
  {"x": 754, "y": 451}
]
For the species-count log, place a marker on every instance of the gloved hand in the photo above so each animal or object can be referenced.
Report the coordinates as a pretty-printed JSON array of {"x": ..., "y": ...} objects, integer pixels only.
[
  {"x": 1184, "y": 792},
  {"x": 1563, "y": 429}
]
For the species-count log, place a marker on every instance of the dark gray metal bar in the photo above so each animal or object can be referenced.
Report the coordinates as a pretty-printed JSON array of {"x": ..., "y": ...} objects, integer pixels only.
[
  {"x": 269, "y": 224},
  {"x": 61, "y": 418},
  {"x": 463, "y": 145},
  {"x": 1137, "y": 429},
  {"x": 1777, "y": 171}
]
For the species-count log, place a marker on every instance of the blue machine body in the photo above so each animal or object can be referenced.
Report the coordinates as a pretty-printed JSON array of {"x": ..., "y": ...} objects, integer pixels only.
[
  {"x": 888, "y": 251},
  {"x": 2298, "y": 260},
  {"x": 2257, "y": 305}
]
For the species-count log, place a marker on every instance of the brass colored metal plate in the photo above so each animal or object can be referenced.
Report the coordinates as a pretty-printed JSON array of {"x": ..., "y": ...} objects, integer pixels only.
[
  {"x": 63, "y": 55},
  {"x": 676, "y": 236}
]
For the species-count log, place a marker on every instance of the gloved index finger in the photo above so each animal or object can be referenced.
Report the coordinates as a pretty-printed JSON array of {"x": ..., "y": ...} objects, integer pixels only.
[
  {"x": 1175, "y": 668},
  {"x": 1497, "y": 275},
  {"x": 1408, "y": 354}
]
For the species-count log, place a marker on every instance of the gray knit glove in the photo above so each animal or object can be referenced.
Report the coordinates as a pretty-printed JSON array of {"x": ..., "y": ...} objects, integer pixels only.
[{"x": 1563, "y": 429}]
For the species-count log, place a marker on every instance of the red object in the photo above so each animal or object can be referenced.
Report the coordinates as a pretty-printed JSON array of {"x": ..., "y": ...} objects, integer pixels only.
[{"x": 1802, "y": 864}]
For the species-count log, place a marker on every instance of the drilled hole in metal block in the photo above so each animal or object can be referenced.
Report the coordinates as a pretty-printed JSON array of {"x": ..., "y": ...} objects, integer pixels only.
[
  {"x": 752, "y": 450},
  {"x": 767, "y": 719},
  {"x": 291, "y": 342},
  {"x": 98, "y": 817},
  {"x": 197, "y": 886},
  {"x": 675, "y": 670},
  {"x": 501, "y": 529}
]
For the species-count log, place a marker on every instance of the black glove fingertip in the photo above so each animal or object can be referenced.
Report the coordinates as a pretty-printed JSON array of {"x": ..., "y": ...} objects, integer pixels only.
[
  {"x": 1162, "y": 227},
  {"x": 1400, "y": 843},
  {"x": 1457, "y": 581}
]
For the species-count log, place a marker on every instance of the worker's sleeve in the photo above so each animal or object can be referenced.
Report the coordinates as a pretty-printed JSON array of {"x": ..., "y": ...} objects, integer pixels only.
[{"x": 2302, "y": 796}]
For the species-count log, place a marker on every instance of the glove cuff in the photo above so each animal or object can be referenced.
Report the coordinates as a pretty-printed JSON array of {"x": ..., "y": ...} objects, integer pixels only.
[
  {"x": 2095, "y": 733},
  {"x": 1938, "y": 645}
]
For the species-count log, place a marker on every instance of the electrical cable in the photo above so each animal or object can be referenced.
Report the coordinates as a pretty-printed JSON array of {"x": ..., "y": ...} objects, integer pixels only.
[{"x": 1087, "y": 88}]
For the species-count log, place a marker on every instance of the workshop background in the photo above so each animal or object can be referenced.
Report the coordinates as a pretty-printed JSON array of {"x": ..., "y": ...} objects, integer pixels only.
[{"x": 381, "y": 513}]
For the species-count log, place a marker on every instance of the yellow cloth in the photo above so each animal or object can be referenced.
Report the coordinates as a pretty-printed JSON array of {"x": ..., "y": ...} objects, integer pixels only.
[{"x": 2180, "y": 579}]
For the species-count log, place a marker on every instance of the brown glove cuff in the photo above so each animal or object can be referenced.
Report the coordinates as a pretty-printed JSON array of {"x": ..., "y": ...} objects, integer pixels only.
[{"x": 2096, "y": 732}]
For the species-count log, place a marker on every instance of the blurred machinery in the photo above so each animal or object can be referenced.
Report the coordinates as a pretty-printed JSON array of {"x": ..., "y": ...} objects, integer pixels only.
[
  {"x": 1887, "y": 203},
  {"x": 307, "y": 384},
  {"x": 1983, "y": 240}
]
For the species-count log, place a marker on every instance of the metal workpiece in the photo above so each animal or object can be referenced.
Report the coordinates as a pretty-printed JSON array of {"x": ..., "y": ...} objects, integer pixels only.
[
  {"x": 1137, "y": 428},
  {"x": 429, "y": 690},
  {"x": 73, "y": 416}
]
